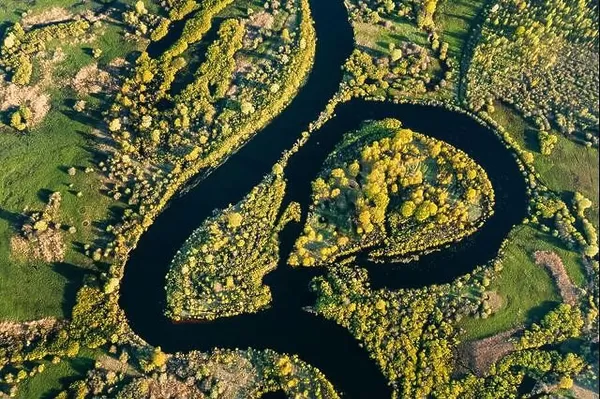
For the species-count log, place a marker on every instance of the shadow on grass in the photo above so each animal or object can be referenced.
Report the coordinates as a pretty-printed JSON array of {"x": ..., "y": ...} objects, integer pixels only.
[
  {"x": 90, "y": 119},
  {"x": 531, "y": 141},
  {"x": 80, "y": 365},
  {"x": 372, "y": 52},
  {"x": 13, "y": 218},
  {"x": 536, "y": 313},
  {"x": 44, "y": 194},
  {"x": 75, "y": 276}
]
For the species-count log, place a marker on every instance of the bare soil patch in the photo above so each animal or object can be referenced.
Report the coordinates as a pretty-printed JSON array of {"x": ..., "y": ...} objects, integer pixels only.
[
  {"x": 33, "y": 97},
  {"x": 48, "y": 246},
  {"x": 584, "y": 393},
  {"x": 479, "y": 355},
  {"x": 91, "y": 80},
  {"x": 262, "y": 20},
  {"x": 551, "y": 261},
  {"x": 494, "y": 300},
  {"x": 49, "y": 16},
  {"x": 29, "y": 331}
]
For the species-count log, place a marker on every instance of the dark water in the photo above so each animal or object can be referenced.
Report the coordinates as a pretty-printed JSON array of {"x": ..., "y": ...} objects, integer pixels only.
[{"x": 285, "y": 327}]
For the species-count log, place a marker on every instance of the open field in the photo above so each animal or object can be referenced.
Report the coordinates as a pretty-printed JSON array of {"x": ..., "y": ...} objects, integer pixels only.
[
  {"x": 526, "y": 289},
  {"x": 35, "y": 164},
  {"x": 571, "y": 166},
  {"x": 456, "y": 19},
  {"x": 54, "y": 378}
]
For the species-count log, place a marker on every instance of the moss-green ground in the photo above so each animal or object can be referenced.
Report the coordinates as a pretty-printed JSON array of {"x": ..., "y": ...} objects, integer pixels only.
[
  {"x": 376, "y": 38},
  {"x": 571, "y": 166},
  {"x": 34, "y": 164},
  {"x": 455, "y": 19},
  {"x": 56, "y": 376},
  {"x": 527, "y": 290}
]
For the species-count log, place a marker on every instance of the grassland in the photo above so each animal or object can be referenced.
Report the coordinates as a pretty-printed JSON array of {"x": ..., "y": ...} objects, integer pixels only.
[
  {"x": 571, "y": 166},
  {"x": 377, "y": 38},
  {"x": 33, "y": 165},
  {"x": 56, "y": 376},
  {"x": 527, "y": 289},
  {"x": 455, "y": 19}
]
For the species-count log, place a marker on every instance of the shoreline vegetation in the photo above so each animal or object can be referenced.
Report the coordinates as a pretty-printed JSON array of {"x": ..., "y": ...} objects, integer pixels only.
[
  {"x": 394, "y": 189},
  {"x": 219, "y": 270},
  {"x": 521, "y": 68}
]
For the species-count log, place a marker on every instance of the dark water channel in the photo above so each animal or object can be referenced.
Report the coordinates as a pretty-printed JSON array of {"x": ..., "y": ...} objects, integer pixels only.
[{"x": 285, "y": 327}]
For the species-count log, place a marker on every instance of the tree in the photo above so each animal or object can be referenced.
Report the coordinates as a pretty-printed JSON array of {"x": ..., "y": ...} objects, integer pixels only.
[
  {"x": 558, "y": 325},
  {"x": 159, "y": 358},
  {"x": 408, "y": 209},
  {"x": 234, "y": 219}
]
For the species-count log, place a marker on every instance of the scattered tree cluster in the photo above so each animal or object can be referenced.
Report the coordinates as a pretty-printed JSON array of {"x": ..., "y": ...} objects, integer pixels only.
[
  {"x": 506, "y": 377},
  {"x": 167, "y": 136},
  {"x": 224, "y": 374},
  {"x": 558, "y": 325},
  {"x": 42, "y": 233},
  {"x": 20, "y": 46},
  {"x": 541, "y": 58},
  {"x": 410, "y": 333},
  {"x": 553, "y": 215},
  {"x": 141, "y": 22},
  {"x": 219, "y": 270},
  {"x": 404, "y": 73},
  {"x": 25, "y": 350},
  {"x": 403, "y": 70},
  {"x": 390, "y": 187},
  {"x": 372, "y": 11}
]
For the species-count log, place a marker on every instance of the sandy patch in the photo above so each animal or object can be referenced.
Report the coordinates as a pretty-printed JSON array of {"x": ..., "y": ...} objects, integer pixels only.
[
  {"x": 494, "y": 301},
  {"x": 12, "y": 333},
  {"x": 33, "y": 97},
  {"x": 48, "y": 246},
  {"x": 49, "y": 16},
  {"x": 91, "y": 80},
  {"x": 261, "y": 20},
  {"x": 171, "y": 387},
  {"x": 584, "y": 393},
  {"x": 13, "y": 96}
]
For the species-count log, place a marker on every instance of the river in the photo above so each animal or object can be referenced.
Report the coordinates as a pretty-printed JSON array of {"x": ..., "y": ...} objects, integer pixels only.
[{"x": 285, "y": 327}]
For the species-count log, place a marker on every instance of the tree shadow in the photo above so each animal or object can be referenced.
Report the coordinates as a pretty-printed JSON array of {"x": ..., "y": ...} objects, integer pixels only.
[
  {"x": 74, "y": 276},
  {"x": 531, "y": 141},
  {"x": 13, "y": 218},
  {"x": 44, "y": 194},
  {"x": 91, "y": 119},
  {"x": 536, "y": 313},
  {"x": 4, "y": 25},
  {"x": 372, "y": 52}
]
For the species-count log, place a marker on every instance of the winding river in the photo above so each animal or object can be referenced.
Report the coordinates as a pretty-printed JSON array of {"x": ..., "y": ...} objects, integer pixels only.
[{"x": 285, "y": 327}]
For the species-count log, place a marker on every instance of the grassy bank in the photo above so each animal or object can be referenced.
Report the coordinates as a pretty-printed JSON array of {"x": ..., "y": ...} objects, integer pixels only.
[
  {"x": 571, "y": 166},
  {"x": 526, "y": 289},
  {"x": 456, "y": 19}
]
